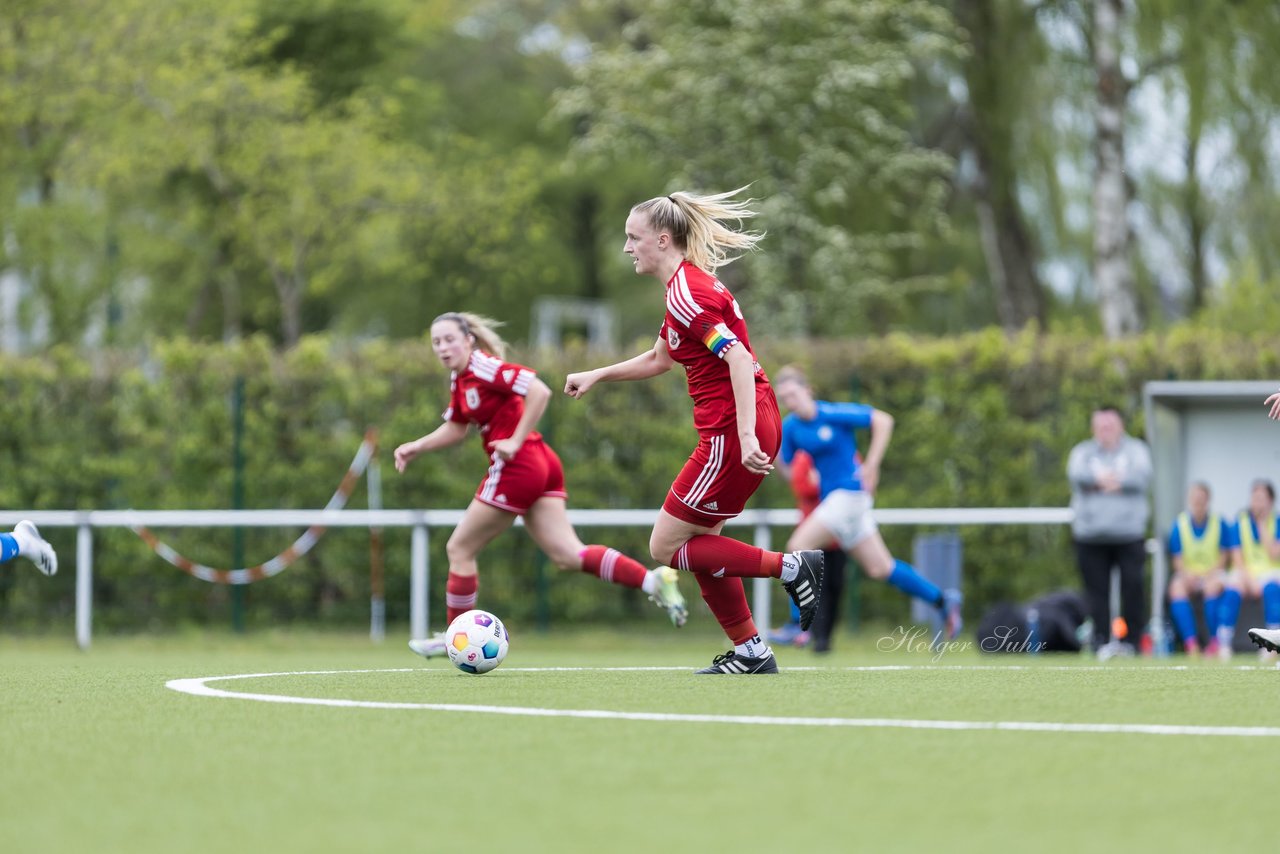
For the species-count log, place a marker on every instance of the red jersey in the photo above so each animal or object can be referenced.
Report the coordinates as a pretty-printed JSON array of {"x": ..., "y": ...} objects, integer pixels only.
[
  {"x": 703, "y": 323},
  {"x": 490, "y": 394}
]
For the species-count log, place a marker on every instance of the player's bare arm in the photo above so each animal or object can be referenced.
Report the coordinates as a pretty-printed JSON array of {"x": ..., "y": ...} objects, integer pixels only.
[
  {"x": 1274, "y": 402},
  {"x": 448, "y": 433},
  {"x": 742, "y": 376},
  {"x": 648, "y": 364},
  {"x": 535, "y": 403},
  {"x": 881, "y": 433}
]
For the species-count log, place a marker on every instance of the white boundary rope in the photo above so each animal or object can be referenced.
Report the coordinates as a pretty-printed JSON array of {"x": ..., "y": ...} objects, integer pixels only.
[{"x": 300, "y": 546}]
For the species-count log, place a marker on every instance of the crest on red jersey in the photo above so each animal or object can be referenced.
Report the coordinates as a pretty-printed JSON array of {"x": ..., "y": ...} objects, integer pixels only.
[{"x": 673, "y": 338}]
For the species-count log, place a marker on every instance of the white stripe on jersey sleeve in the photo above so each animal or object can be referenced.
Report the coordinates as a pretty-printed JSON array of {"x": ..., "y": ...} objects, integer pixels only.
[
  {"x": 484, "y": 367},
  {"x": 680, "y": 301},
  {"x": 521, "y": 385},
  {"x": 676, "y": 309}
]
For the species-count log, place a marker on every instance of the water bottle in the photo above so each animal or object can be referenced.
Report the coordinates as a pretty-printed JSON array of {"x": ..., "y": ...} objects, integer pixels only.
[
  {"x": 1033, "y": 630},
  {"x": 1154, "y": 641},
  {"x": 1084, "y": 636}
]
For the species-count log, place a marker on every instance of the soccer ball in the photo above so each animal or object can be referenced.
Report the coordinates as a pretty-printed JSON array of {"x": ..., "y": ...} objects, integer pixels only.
[{"x": 477, "y": 642}]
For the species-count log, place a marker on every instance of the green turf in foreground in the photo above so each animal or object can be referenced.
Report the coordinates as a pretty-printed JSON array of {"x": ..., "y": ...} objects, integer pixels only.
[{"x": 96, "y": 754}]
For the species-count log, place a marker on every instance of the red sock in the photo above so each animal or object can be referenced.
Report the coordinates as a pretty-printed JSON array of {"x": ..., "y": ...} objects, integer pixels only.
[
  {"x": 613, "y": 566},
  {"x": 460, "y": 594},
  {"x": 727, "y": 600},
  {"x": 713, "y": 555}
]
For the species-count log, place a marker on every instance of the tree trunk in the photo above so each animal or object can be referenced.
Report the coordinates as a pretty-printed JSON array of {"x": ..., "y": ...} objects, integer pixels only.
[
  {"x": 289, "y": 289},
  {"x": 1112, "y": 270},
  {"x": 1006, "y": 243},
  {"x": 585, "y": 210},
  {"x": 1006, "y": 247},
  {"x": 1196, "y": 226},
  {"x": 229, "y": 285}
]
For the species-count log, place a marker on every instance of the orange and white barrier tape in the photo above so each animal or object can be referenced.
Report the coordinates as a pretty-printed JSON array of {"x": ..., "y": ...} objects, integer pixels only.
[{"x": 300, "y": 546}]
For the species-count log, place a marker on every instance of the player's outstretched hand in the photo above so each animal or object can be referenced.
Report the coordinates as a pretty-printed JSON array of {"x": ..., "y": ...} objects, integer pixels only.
[
  {"x": 1274, "y": 403},
  {"x": 404, "y": 454},
  {"x": 578, "y": 384}
]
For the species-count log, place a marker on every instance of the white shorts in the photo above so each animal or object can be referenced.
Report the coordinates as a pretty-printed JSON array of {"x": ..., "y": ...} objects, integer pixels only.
[{"x": 847, "y": 515}]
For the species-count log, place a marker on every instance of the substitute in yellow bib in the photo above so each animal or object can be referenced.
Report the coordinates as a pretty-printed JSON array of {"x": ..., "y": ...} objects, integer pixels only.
[
  {"x": 1269, "y": 638},
  {"x": 1200, "y": 546},
  {"x": 1256, "y": 563}
]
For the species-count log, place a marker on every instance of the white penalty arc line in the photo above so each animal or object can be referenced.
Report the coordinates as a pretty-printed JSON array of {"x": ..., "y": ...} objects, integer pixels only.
[{"x": 200, "y": 687}]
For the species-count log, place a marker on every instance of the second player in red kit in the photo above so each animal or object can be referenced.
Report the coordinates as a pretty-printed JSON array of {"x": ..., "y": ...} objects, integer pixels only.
[{"x": 504, "y": 401}]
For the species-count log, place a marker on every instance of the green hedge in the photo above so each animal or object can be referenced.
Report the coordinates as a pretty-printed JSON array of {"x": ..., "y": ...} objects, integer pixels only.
[{"x": 982, "y": 420}]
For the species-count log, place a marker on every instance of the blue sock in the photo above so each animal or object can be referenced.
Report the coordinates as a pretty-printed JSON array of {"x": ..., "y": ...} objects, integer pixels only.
[
  {"x": 1228, "y": 609},
  {"x": 8, "y": 547},
  {"x": 1184, "y": 619},
  {"x": 1271, "y": 603},
  {"x": 1212, "y": 607},
  {"x": 905, "y": 578}
]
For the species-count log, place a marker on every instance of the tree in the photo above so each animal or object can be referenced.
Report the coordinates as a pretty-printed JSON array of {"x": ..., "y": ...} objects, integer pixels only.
[
  {"x": 1112, "y": 267},
  {"x": 1001, "y": 37},
  {"x": 54, "y": 231},
  {"x": 812, "y": 112},
  {"x": 1201, "y": 64}
]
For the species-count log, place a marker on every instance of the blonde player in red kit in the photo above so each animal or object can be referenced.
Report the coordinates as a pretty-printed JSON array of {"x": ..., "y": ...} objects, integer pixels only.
[
  {"x": 680, "y": 240},
  {"x": 504, "y": 401}
]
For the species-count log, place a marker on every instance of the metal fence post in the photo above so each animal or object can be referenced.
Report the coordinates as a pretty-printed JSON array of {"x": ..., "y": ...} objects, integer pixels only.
[
  {"x": 762, "y": 588},
  {"x": 1159, "y": 581},
  {"x": 419, "y": 568},
  {"x": 84, "y": 585}
]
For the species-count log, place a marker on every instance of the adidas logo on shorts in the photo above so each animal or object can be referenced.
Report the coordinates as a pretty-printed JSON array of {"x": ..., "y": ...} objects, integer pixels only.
[{"x": 711, "y": 505}]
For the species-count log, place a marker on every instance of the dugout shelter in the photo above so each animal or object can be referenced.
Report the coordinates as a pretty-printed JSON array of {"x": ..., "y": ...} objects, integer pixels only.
[{"x": 1212, "y": 431}]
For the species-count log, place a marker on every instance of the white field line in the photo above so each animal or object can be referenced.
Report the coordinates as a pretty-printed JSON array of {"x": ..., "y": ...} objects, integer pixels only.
[{"x": 200, "y": 687}]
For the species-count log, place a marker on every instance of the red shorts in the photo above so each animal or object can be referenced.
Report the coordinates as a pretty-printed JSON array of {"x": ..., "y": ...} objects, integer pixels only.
[
  {"x": 513, "y": 485},
  {"x": 714, "y": 485}
]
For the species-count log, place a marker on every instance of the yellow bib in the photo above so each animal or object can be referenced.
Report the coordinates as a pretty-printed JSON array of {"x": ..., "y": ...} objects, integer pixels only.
[
  {"x": 1203, "y": 553},
  {"x": 1254, "y": 552}
]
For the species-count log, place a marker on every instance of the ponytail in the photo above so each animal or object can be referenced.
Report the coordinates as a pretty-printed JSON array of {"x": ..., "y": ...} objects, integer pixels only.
[{"x": 696, "y": 223}]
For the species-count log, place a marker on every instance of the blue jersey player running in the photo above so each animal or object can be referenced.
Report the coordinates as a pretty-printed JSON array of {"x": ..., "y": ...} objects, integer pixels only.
[{"x": 825, "y": 431}]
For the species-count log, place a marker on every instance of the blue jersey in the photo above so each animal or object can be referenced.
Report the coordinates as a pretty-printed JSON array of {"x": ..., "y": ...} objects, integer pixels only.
[
  {"x": 1230, "y": 535},
  {"x": 829, "y": 439}
]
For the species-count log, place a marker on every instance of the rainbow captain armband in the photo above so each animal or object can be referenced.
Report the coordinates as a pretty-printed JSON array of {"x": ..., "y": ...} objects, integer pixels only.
[{"x": 719, "y": 339}]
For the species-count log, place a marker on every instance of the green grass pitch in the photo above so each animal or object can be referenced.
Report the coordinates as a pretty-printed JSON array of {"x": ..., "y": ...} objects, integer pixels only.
[{"x": 97, "y": 754}]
